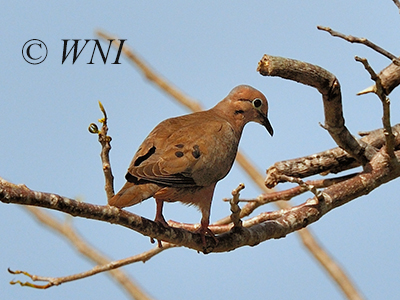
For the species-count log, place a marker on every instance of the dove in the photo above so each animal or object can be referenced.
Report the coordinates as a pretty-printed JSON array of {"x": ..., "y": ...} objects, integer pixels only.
[{"x": 183, "y": 158}]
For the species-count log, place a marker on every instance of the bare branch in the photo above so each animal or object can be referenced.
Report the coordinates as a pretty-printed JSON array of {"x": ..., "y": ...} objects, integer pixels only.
[
  {"x": 105, "y": 141},
  {"x": 134, "y": 291},
  {"x": 67, "y": 231},
  {"x": 329, "y": 161},
  {"x": 390, "y": 76},
  {"x": 285, "y": 195},
  {"x": 308, "y": 187},
  {"x": 235, "y": 209},
  {"x": 225, "y": 224},
  {"x": 364, "y": 41},
  {"x": 390, "y": 138},
  {"x": 377, "y": 173},
  {"x": 367, "y": 67},
  {"x": 328, "y": 85}
]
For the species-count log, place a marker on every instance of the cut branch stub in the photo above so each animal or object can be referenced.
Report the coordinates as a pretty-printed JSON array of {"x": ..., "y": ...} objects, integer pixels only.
[{"x": 328, "y": 85}]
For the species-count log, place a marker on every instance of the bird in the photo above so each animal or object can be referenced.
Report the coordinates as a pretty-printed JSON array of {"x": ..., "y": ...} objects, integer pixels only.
[{"x": 184, "y": 157}]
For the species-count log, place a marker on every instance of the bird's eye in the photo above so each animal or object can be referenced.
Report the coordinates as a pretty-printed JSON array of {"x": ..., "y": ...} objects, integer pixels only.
[{"x": 257, "y": 103}]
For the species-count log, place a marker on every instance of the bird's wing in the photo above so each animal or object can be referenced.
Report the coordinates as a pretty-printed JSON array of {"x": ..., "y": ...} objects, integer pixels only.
[{"x": 181, "y": 151}]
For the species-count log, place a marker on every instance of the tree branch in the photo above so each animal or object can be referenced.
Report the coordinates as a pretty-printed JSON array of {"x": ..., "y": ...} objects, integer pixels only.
[
  {"x": 379, "y": 91},
  {"x": 284, "y": 195},
  {"x": 331, "y": 161},
  {"x": 105, "y": 142},
  {"x": 235, "y": 209},
  {"x": 377, "y": 172},
  {"x": 327, "y": 84},
  {"x": 364, "y": 41},
  {"x": 67, "y": 231},
  {"x": 390, "y": 76}
]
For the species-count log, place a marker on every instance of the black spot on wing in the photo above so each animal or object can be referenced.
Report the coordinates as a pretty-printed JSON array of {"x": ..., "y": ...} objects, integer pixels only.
[
  {"x": 142, "y": 158},
  {"x": 196, "y": 151},
  {"x": 178, "y": 153},
  {"x": 180, "y": 146}
]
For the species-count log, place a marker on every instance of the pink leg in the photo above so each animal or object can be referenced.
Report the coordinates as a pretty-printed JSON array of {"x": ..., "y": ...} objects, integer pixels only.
[
  {"x": 205, "y": 221},
  {"x": 159, "y": 215}
]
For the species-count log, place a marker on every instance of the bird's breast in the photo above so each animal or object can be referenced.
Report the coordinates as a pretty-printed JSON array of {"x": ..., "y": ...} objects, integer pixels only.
[{"x": 218, "y": 158}]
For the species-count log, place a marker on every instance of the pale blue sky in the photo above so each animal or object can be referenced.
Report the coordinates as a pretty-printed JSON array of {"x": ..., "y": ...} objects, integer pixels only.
[{"x": 205, "y": 48}]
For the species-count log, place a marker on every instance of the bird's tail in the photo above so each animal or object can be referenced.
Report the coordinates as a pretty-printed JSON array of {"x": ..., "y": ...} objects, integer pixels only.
[{"x": 131, "y": 194}]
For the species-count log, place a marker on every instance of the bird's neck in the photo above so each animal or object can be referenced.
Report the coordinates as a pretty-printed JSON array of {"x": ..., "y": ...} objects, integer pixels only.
[{"x": 236, "y": 120}]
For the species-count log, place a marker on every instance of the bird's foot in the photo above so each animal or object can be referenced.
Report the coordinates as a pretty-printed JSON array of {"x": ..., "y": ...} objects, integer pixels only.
[
  {"x": 159, "y": 242},
  {"x": 159, "y": 219},
  {"x": 203, "y": 230}
]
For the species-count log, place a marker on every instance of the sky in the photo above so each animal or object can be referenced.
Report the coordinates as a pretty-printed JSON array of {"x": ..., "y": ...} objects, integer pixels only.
[{"x": 205, "y": 49}]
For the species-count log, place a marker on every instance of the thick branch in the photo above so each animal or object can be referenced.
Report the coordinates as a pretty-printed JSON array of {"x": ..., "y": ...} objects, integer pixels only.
[
  {"x": 329, "y": 161},
  {"x": 327, "y": 84},
  {"x": 377, "y": 173},
  {"x": 390, "y": 77}
]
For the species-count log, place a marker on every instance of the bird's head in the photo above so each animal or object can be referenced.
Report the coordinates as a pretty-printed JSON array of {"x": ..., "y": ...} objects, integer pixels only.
[{"x": 246, "y": 104}]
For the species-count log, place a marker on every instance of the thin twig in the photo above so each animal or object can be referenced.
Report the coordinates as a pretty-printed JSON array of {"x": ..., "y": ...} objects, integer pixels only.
[
  {"x": 309, "y": 187},
  {"x": 367, "y": 67},
  {"x": 68, "y": 232},
  {"x": 105, "y": 142},
  {"x": 284, "y": 195},
  {"x": 379, "y": 91},
  {"x": 328, "y": 85},
  {"x": 390, "y": 139},
  {"x": 364, "y": 41},
  {"x": 389, "y": 76},
  {"x": 235, "y": 209}
]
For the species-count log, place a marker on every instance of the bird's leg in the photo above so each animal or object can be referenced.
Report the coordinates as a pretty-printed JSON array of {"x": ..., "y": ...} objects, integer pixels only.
[
  {"x": 203, "y": 230},
  {"x": 160, "y": 218},
  {"x": 159, "y": 215},
  {"x": 205, "y": 221}
]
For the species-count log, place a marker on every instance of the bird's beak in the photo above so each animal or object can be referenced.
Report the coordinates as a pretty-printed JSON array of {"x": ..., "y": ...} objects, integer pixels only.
[{"x": 268, "y": 125}]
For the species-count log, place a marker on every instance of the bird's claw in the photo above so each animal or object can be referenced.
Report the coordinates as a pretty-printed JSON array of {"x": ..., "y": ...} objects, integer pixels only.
[
  {"x": 203, "y": 231},
  {"x": 161, "y": 221}
]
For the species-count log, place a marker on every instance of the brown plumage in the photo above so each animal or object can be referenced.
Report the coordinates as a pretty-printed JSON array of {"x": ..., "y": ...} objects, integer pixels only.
[{"x": 183, "y": 158}]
